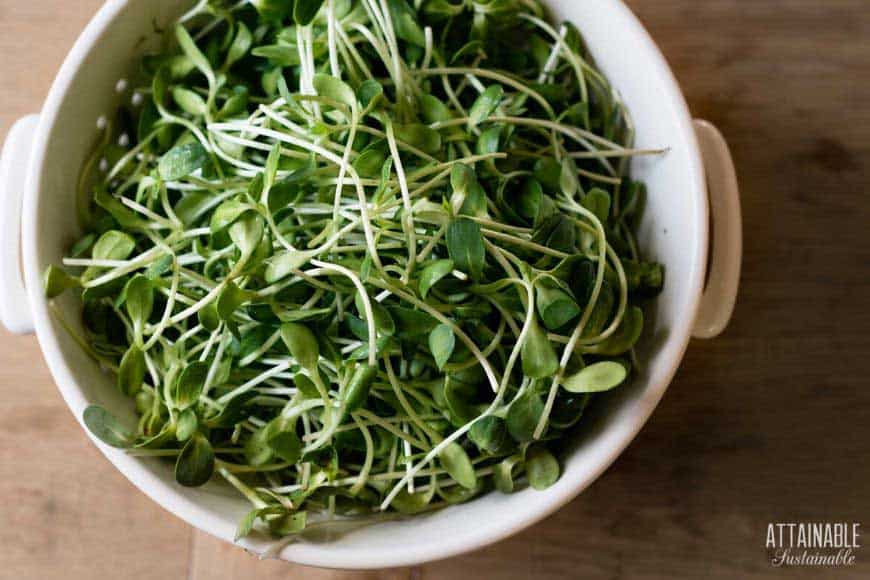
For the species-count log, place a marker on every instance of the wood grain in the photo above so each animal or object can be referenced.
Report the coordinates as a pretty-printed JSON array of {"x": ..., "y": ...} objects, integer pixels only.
[{"x": 766, "y": 423}]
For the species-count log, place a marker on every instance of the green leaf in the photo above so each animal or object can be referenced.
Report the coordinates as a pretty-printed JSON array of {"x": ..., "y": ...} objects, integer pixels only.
[
  {"x": 432, "y": 273},
  {"x": 555, "y": 305},
  {"x": 246, "y": 232},
  {"x": 113, "y": 245},
  {"x": 181, "y": 161},
  {"x": 105, "y": 427},
  {"x": 597, "y": 377},
  {"x": 538, "y": 354},
  {"x": 279, "y": 55},
  {"x": 405, "y": 23},
  {"x": 282, "y": 264},
  {"x": 189, "y": 384},
  {"x": 131, "y": 372},
  {"x": 485, "y": 104},
  {"x": 369, "y": 163},
  {"x": 189, "y": 101},
  {"x": 301, "y": 343},
  {"x": 286, "y": 445},
  {"x": 306, "y": 386},
  {"x": 235, "y": 411},
  {"x": 335, "y": 89},
  {"x": 240, "y": 46},
  {"x": 489, "y": 140},
  {"x": 523, "y": 416},
  {"x": 568, "y": 182},
  {"x": 441, "y": 343},
  {"x": 208, "y": 316},
  {"x": 474, "y": 204},
  {"x": 624, "y": 338},
  {"x": 542, "y": 468},
  {"x": 455, "y": 460},
  {"x": 419, "y": 136},
  {"x": 188, "y": 423},
  {"x": 192, "y": 51},
  {"x": 159, "y": 267},
  {"x": 369, "y": 93},
  {"x": 461, "y": 178},
  {"x": 139, "y": 299},
  {"x": 195, "y": 463},
  {"x": 125, "y": 217},
  {"x": 357, "y": 389},
  {"x": 304, "y": 11},
  {"x": 246, "y": 525},
  {"x": 503, "y": 473},
  {"x": 226, "y": 214},
  {"x": 56, "y": 282},
  {"x": 465, "y": 245},
  {"x": 432, "y": 109},
  {"x": 384, "y": 323},
  {"x": 257, "y": 449},
  {"x": 411, "y": 323},
  {"x": 274, "y": 9},
  {"x": 598, "y": 202},
  {"x": 489, "y": 433},
  {"x": 288, "y": 524},
  {"x": 229, "y": 300},
  {"x": 160, "y": 86}
]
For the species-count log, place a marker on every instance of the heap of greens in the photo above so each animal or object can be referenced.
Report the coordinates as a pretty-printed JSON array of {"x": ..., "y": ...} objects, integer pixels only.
[{"x": 360, "y": 256}]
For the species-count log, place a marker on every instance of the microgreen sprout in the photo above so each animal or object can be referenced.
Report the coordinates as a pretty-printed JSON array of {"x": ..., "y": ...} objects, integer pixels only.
[{"x": 360, "y": 256}]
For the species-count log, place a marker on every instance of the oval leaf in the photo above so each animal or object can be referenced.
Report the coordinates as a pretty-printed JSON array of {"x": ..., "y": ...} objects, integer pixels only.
[
  {"x": 195, "y": 463},
  {"x": 598, "y": 377},
  {"x": 441, "y": 343},
  {"x": 455, "y": 460},
  {"x": 542, "y": 468},
  {"x": 188, "y": 386},
  {"x": 105, "y": 427},
  {"x": 301, "y": 343},
  {"x": 465, "y": 245},
  {"x": 131, "y": 372},
  {"x": 181, "y": 161},
  {"x": 538, "y": 354}
]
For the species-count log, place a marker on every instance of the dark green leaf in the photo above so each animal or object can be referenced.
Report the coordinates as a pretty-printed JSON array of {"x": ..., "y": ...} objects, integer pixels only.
[
  {"x": 465, "y": 245},
  {"x": 195, "y": 463},
  {"x": 357, "y": 389},
  {"x": 489, "y": 434}
]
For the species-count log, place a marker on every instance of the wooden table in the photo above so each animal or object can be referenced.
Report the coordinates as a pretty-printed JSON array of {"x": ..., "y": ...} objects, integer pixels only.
[{"x": 767, "y": 423}]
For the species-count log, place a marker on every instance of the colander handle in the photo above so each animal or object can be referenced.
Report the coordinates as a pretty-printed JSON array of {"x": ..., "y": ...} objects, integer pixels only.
[
  {"x": 726, "y": 249},
  {"x": 14, "y": 160}
]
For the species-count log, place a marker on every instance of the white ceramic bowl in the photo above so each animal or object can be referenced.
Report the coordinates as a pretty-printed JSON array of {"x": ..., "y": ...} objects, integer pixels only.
[{"x": 41, "y": 161}]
